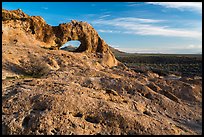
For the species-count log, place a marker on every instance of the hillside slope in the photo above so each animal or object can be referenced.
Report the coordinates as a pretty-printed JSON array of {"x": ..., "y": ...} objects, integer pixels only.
[{"x": 55, "y": 92}]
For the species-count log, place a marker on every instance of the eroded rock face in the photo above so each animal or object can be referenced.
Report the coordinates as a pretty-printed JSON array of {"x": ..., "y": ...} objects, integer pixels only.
[
  {"x": 55, "y": 36},
  {"x": 77, "y": 95}
]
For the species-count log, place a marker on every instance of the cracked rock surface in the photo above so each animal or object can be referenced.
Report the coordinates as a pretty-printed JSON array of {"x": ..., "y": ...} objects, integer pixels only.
[{"x": 80, "y": 95}]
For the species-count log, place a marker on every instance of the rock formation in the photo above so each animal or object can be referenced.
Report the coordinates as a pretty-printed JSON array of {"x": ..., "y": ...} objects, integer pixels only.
[
  {"x": 55, "y": 92},
  {"x": 55, "y": 36}
]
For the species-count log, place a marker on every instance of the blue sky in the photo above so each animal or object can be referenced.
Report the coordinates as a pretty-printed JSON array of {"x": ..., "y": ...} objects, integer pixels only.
[{"x": 142, "y": 27}]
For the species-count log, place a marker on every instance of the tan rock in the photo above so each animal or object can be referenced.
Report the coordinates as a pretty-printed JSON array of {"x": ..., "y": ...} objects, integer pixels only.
[
  {"x": 55, "y": 36},
  {"x": 72, "y": 99}
]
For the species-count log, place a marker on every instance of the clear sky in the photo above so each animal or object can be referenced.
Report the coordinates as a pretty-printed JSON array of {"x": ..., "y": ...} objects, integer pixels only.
[{"x": 142, "y": 27}]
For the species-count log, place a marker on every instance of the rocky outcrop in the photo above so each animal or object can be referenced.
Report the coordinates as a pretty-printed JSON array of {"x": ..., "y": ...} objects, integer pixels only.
[
  {"x": 55, "y": 92},
  {"x": 55, "y": 36}
]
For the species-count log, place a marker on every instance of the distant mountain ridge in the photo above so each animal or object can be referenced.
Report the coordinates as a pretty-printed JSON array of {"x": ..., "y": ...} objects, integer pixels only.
[
  {"x": 69, "y": 48},
  {"x": 114, "y": 50}
]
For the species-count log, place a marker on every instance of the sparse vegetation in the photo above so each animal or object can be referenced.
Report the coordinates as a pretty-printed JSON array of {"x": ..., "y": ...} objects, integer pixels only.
[
  {"x": 163, "y": 64},
  {"x": 34, "y": 67}
]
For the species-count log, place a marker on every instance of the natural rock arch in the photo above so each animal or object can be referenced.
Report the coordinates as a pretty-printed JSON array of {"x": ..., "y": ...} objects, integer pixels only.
[
  {"x": 71, "y": 45},
  {"x": 83, "y": 32},
  {"x": 55, "y": 36}
]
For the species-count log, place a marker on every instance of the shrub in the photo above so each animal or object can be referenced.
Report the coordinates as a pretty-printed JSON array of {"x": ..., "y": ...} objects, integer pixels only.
[{"x": 34, "y": 66}]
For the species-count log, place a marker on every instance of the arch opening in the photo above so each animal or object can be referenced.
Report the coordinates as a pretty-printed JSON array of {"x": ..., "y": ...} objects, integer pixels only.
[{"x": 71, "y": 45}]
